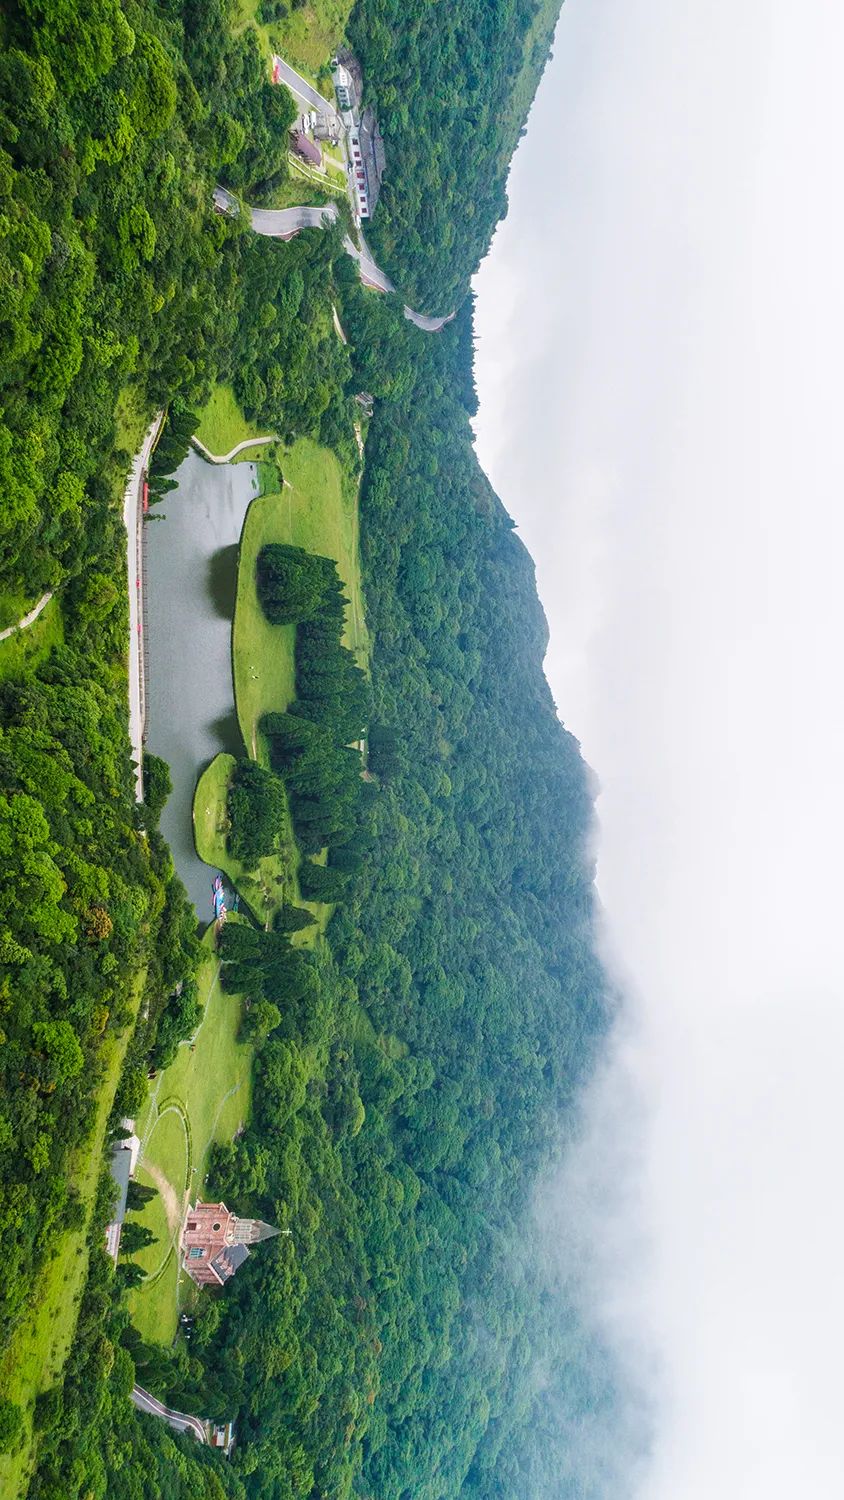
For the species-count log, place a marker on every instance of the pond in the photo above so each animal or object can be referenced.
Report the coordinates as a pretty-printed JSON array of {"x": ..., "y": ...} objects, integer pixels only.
[{"x": 190, "y": 580}]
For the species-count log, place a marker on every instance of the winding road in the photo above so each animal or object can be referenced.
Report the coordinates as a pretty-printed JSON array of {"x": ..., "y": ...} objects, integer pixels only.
[
  {"x": 284, "y": 223},
  {"x": 180, "y": 1421},
  {"x": 277, "y": 223}
]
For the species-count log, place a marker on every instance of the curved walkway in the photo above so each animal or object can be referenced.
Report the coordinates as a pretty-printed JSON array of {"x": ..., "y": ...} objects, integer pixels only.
[
  {"x": 225, "y": 458},
  {"x": 284, "y": 223},
  {"x": 180, "y": 1421},
  {"x": 26, "y": 620}
]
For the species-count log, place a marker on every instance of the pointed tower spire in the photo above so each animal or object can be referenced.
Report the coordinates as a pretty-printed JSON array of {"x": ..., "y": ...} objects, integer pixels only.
[{"x": 250, "y": 1231}]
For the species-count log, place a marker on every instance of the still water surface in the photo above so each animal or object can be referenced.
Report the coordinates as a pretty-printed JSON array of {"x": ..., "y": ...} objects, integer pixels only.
[{"x": 190, "y": 582}]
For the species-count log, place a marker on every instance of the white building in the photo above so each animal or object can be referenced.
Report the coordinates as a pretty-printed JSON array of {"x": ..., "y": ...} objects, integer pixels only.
[
  {"x": 358, "y": 175},
  {"x": 344, "y": 88}
]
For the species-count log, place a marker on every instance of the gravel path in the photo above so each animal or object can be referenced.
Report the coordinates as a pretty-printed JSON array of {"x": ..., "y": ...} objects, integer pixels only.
[
  {"x": 27, "y": 620},
  {"x": 224, "y": 458}
]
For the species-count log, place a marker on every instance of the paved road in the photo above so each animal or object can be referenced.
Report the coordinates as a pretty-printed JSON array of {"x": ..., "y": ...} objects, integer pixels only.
[
  {"x": 27, "y": 620},
  {"x": 180, "y": 1421},
  {"x": 427, "y": 324},
  {"x": 283, "y": 223},
  {"x": 372, "y": 275},
  {"x": 133, "y": 521},
  {"x": 283, "y": 73},
  {"x": 277, "y": 223}
]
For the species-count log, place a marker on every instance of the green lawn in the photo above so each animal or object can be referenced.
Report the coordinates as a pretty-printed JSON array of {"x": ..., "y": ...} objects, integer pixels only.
[
  {"x": 306, "y": 37},
  {"x": 26, "y": 649},
  {"x": 222, "y": 425},
  {"x": 263, "y": 889},
  {"x": 13, "y": 607},
  {"x": 333, "y": 181},
  {"x": 317, "y": 509},
  {"x": 203, "y": 1097},
  {"x": 131, "y": 420},
  {"x": 36, "y": 1356},
  {"x": 296, "y": 190},
  {"x": 154, "y": 1214}
]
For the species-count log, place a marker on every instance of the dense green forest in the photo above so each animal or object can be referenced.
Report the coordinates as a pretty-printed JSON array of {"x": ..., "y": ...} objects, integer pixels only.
[
  {"x": 417, "y": 1070},
  {"x": 456, "y": 1015},
  {"x": 114, "y": 123},
  {"x": 451, "y": 86}
]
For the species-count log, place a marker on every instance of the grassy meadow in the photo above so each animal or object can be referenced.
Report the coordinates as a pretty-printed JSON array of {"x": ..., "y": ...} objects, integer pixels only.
[
  {"x": 317, "y": 509},
  {"x": 222, "y": 426},
  {"x": 305, "y": 37},
  {"x": 22, "y": 652},
  {"x": 203, "y": 1097},
  {"x": 36, "y": 1356}
]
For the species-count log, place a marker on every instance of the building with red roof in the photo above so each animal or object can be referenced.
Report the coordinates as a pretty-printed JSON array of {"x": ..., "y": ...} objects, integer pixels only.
[
  {"x": 306, "y": 148},
  {"x": 215, "y": 1242}
]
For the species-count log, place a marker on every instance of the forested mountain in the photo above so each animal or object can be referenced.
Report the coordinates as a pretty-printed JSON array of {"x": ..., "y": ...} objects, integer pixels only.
[
  {"x": 419, "y": 1068},
  {"x": 451, "y": 85},
  {"x": 457, "y": 1015}
]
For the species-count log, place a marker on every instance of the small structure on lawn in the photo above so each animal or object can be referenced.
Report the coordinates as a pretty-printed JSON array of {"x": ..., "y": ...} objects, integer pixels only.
[
  {"x": 215, "y": 1242},
  {"x": 124, "y": 1156},
  {"x": 219, "y": 900},
  {"x": 306, "y": 148}
]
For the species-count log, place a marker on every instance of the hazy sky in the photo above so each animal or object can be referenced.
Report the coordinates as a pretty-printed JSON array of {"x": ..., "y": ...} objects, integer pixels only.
[{"x": 661, "y": 339}]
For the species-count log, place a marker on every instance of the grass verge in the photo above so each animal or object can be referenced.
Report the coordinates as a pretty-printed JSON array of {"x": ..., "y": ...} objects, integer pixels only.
[
  {"x": 222, "y": 425},
  {"x": 203, "y": 1097},
  {"x": 22, "y": 652},
  {"x": 36, "y": 1356}
]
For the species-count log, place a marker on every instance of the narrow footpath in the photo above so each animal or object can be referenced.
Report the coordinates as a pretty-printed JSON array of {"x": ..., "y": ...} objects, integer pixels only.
[
  {"x": 26, "y": 620},
  {"x": 225, "y": 458}
]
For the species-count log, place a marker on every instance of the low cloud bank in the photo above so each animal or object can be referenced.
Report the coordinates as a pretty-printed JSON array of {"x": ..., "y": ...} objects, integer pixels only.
[{"x": 659, "y": 365}]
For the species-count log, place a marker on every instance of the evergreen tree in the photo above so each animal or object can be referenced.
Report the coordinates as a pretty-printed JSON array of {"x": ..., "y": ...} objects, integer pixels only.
[
  {"x": 320, "y": 884},
  {"x": 291, "y": 582},
  {"x": 256, "y": 811},
  {"x": 293, "y": 918}
]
